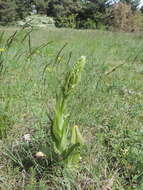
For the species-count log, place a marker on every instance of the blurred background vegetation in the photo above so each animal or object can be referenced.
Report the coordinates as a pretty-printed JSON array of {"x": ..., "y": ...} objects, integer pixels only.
[{"x": 123, "y": 15}]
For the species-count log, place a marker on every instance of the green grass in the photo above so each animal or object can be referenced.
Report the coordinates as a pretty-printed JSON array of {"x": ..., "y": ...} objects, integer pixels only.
[{"x": 107, "y": 107}]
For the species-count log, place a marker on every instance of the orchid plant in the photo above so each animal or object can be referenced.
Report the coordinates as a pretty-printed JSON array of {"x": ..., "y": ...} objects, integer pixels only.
[{"x": 67, "y": 141}]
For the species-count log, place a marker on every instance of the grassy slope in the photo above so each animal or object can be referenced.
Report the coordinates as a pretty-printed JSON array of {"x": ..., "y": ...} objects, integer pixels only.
[{"x": 107, "y": 107}]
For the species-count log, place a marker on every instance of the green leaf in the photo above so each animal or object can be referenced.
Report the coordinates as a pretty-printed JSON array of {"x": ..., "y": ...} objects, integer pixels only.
[
  {"x": 69, "y": 151},
  {"x": 76, "y": 136}
]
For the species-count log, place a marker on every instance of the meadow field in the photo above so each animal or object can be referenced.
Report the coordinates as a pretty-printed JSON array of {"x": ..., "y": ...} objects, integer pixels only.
[{"x": 106, "y": 105}]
